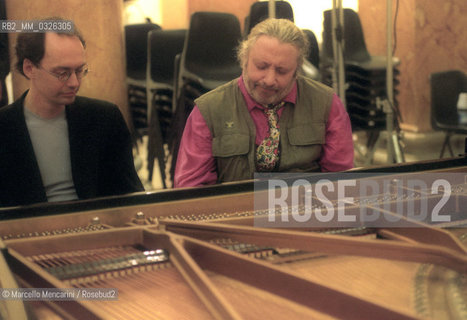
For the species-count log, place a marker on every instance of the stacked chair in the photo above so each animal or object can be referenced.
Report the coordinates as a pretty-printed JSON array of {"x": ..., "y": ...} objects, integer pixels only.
[
  {"x": 259, "y": 11},
  {"x": 136, "y": 56},
  {"x": 365, "y": 77},
  {"x": 445, "y": 88},
  {"x": 313, "y": 54},
  {"x": 163, "y": 47},
  {"x": 208, "y": 58},
  {"x": 207, "y": 61}
]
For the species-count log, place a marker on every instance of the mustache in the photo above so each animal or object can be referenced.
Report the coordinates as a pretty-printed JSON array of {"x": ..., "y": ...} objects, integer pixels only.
[{"x": 264, "y": 86}]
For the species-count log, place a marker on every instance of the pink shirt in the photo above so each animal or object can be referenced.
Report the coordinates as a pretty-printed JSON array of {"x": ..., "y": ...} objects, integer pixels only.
[{"x": 196, "y": 166}]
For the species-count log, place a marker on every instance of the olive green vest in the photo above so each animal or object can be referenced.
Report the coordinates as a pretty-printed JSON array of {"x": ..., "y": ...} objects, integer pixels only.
[{"x": 302, "y": 128}]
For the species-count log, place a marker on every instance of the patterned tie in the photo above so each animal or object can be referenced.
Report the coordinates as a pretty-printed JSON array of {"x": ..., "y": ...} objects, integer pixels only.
[{"x": 267, "y": 153}]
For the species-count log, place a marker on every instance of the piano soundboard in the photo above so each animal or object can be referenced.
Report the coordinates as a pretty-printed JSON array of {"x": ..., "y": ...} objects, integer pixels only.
[{"x": 206, "y": 258}]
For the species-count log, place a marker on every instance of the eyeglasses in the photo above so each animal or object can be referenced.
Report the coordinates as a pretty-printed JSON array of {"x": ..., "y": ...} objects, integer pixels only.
[{"x": 65, "y": 75}]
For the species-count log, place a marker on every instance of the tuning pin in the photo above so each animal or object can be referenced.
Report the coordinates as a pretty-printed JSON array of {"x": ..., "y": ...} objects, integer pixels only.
[
  {"x": 95, "y": 221},
  {"x": 140, "y": 218}
]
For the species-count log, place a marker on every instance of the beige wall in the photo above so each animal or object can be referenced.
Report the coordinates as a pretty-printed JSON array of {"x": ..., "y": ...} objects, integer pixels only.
[
  {"x": 174, "y": 14},
  {"x": 100, "y": 22},
  {"x": 431, "y": 37}
]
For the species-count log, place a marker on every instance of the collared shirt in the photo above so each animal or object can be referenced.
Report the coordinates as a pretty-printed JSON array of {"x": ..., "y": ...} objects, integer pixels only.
[{"x": 196, "y": 165}]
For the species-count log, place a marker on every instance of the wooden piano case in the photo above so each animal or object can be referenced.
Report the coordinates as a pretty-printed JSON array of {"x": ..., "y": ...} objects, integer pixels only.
[{"x": 204, "y": 258}]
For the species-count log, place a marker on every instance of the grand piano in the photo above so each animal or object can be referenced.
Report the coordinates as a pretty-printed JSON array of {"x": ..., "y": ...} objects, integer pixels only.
[{"x": 209, "y": 252}]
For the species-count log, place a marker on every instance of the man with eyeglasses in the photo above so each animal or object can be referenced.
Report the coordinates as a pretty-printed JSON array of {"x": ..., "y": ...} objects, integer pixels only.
[{"x": 55, "y": 145}]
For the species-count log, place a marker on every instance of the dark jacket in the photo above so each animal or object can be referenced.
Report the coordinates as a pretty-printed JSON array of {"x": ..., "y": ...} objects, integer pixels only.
[{"x": 100, "y": 151}]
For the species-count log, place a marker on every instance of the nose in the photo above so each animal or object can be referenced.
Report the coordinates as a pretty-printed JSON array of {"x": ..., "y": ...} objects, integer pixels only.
[
  {"x": 73, "y": 81},
  {"x": 270, "y": 77}
]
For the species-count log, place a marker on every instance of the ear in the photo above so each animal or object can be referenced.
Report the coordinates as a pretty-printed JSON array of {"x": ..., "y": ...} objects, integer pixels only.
[{"x": 29, "y": 68}]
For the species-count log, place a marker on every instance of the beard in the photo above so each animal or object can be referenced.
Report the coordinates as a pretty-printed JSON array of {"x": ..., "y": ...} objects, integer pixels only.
[{"x": 264, "y": 94}]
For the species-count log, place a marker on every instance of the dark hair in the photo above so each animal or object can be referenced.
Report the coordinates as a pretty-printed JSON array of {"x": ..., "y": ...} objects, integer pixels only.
[{"x": 31, "y": 45}]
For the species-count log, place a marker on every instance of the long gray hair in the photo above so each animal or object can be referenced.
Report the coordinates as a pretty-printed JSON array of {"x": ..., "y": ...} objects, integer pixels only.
[{"x": 282, "y": 29}]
